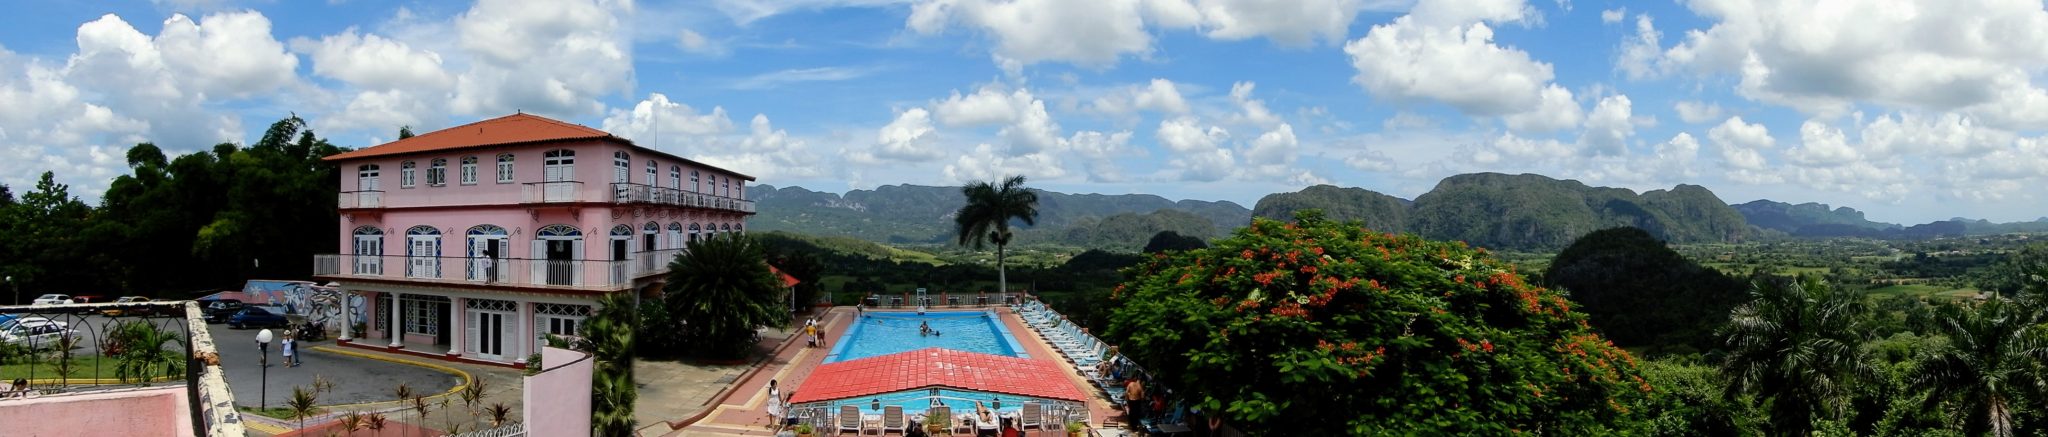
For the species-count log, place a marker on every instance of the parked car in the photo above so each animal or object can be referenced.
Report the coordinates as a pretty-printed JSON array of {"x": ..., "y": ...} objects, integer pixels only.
[
  {"x": 257, "y": 316},
  {"x": 118, "y": 312},
  {"x": 219, "y": 310},
  {"x": 36, "y": 332},
  {"x": 53, "y": 299}
]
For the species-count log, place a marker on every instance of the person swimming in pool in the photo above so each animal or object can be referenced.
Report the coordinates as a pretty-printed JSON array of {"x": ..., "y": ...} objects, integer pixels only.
[{"x": 924, "y": 328}]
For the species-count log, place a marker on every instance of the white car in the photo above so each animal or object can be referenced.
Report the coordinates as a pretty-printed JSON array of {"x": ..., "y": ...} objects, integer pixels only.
[
  {"x": 35, "y": 332},
  {"x": 53, "y": 299}
]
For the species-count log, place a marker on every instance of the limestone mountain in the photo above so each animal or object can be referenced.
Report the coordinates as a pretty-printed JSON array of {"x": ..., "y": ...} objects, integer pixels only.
[
  {"x": 923, "y": 214},
  {"x": 1522, "y": 211}
]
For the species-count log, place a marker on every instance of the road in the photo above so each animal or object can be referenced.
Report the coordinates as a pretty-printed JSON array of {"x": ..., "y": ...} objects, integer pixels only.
[{"x": 355, "y": 379}]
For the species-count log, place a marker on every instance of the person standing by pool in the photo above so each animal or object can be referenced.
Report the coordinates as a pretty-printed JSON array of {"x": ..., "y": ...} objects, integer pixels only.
[
  {"x": 812, "y": 332},
  {"x": 1134, "y": 402}
]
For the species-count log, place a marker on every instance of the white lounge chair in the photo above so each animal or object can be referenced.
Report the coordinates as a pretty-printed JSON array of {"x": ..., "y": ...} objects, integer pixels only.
[
  {"x": 849, "y": 420},
  {"x": 893, "y": 420}
]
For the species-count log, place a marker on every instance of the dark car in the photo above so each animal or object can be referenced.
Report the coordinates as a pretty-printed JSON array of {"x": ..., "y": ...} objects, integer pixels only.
[
  {"x": 219, "y": 310},
  {"x": 250, "y": 316}
]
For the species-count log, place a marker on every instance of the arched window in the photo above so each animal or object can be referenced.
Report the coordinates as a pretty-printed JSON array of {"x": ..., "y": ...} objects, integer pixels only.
[
  {"x": 504, "y": 168},
  {"x": 675, "y": 176},
  {"x": 740, "y": 228},
  {"x": 653, "y": 170},
  {"x": 694, "y": 230},
  {"x": 468, "y": 170},
  {"x": 558, "y": 166},
  {"x": 558, "y": 231},
  {"x": 621, "y": 162},
  {"x": 695, "y": 187},
  {"x": 369, "y": 251},
  {"x": 728, "y": 228},
  {"x": 423, "y": 252},
  {"x": 675, "y": 235},
  {"x": 622, "y": 231},
  {"x": 405, "y": 174},
  {"x": 366, "y": 177},
  {"x": 437, "y": 172},
  {"x": 727, "y": 191}
]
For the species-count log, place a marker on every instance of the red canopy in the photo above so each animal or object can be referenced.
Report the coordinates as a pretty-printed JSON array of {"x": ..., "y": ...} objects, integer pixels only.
[{"x": 936, "y": 367}]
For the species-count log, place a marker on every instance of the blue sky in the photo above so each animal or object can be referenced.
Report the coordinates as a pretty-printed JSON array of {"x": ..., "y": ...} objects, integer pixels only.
[{"x": 1911, "y": 110}]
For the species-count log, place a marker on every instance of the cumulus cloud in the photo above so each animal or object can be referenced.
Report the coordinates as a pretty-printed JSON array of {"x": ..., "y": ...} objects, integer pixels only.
[
  {"x": 1443, "y": 51},
  {"x": 1639, "y": 58},
  {"x": 1198, "y": 152},
  {"x": 986, "y": 162},
  {"x": 1097, "y": 33},
  {"x": 656, "y": 121},
  {"x": 1612, "y": 16},
  {"x": 1160, "y": 95},
  {"x": 1825, "y": 57},
  {"x": 909, "y": 138},
  {"x": 543, "y": 56},
  {"x": 1608, "y": 128},
  {"x": 1696, "y": 112},
  {"x": 766, "y": 152}
]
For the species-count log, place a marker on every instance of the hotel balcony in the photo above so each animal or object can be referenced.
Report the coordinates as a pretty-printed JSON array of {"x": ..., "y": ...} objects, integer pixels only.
[
  {"x": 361, "y": 199},
  {"x": 588, "y": 275},
  {"x": 630, "y": 193}
]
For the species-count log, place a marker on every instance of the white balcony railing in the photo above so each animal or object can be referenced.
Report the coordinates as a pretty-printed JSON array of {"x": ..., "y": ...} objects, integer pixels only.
[
  {"x": 360, "y": 199},
  {"x": 552, "y": 192},
  {"x": 637, "y": 193},
  {"x": 601, "y": 274}
]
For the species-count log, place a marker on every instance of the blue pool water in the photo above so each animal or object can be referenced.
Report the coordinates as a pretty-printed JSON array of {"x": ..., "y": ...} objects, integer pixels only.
[{"x": 875, "y": 334}]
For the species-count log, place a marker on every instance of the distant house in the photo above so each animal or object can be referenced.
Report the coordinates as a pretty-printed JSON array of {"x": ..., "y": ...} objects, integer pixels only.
[{"x": 477, "y": 241}]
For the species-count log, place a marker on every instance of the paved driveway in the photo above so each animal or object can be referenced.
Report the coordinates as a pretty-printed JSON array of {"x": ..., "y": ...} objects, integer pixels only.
[{"x": 355, "y": 379}]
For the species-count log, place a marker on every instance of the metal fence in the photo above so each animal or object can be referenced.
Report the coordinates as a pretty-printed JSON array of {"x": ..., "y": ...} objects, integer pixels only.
[
  {"x": 824, "y": 416},
  {"x": 55, "y": 350},
  {"x": 514, "y": 429}
]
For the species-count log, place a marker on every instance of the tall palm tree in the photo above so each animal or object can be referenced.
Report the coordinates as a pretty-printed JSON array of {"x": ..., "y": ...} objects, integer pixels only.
[
  {"x": 986, "y": 218},
  {"x": 1795, "y": 345},
  {"x": 609, "y": 334},
  {"x": 1991, "y": 359}
]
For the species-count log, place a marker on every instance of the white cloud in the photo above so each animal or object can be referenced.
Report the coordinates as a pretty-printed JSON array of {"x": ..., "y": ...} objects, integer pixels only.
[
  {"x": 1741, "y": 143},
  {"x": 986, "y": 162},
  {"x": 1370, "y": 160},
  {"x": 1612, "y": 16},
  {"x": 692, "y": 42},
  {"x": 1555, "y": 110},
  {"x": 1198, "y": 153},
  {"x": 910, "y": 138},
  {"x": 1160, "y": 95},
  {"x": 1253, "y": 111},
  {"x": 1639, "y": 57},
  {"x": 1443, "y": 51},
  {"x": 1097, "y": 33},
  {"x": 766, "y": 153},
  {"x": 543, "y": 56},
  {"x": 992, "y": 104},
  {"x": 1296, "y": 23},
  {"x": 1277, "y": 146},
  {"x": 658, "y": 122},
  {"x": 778, "y": 78},
  {"x": 1695, "y": 112},
  {"x": 232, "y": 55},
  {"x": 374, "y": 62},
  {"x": 1821, "y": 146},
  {"x": 1824, "y": 57},
  {"x": 1608, "y": 128}
]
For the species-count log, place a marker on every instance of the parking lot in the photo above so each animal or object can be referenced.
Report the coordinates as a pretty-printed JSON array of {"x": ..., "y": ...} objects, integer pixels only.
[{"x": 355, "y": 379}]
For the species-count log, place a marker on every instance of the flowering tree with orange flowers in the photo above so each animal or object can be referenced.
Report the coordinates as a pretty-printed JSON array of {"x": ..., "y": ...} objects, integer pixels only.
[{"x": 1325, "y": 328}]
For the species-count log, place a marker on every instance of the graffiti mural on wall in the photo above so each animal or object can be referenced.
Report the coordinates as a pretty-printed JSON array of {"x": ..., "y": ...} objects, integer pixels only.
[{"x": 320, "y": 305}]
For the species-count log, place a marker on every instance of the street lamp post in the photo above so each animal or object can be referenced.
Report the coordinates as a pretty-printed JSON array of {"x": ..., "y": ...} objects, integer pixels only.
[{"x": 263, "y": 344}]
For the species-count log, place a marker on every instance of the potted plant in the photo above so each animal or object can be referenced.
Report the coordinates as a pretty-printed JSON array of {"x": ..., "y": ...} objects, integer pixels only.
[
  {"x": 803, "y": 430},
  {"x": 1077, "y": 429},
  {"x": 933, "y": 425}
]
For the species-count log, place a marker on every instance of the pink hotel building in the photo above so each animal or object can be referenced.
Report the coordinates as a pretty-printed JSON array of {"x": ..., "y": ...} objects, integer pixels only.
[{"x": 476, "y": 242}]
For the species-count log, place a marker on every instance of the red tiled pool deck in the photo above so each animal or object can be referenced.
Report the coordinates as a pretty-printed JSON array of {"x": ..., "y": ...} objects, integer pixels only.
[
  {"x": 743, "y": 410},
  {"x": 935, "y": 367}
]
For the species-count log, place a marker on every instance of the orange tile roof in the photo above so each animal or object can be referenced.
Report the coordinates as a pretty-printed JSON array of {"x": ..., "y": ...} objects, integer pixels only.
[
  {"x": 936, "y": 367},
  {"x": 510, "y": 129}
]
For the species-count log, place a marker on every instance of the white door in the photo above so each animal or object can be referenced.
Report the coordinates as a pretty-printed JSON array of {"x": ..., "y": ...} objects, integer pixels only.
[
  {"x": 486, "y": 334},
  {"x": 557, "y": 170},
  {"x": 421, "y": 251},
  {"x": 370, "y": 255}
]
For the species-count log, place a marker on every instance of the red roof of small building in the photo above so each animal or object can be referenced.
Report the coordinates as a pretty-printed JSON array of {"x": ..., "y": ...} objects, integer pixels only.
[
  {"x": 936, "y": 367},
  {"x": 510, "y": 129},
  {"x": 787, "y": 280}
]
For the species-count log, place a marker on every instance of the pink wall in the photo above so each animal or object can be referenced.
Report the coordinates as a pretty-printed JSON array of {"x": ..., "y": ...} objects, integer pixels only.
[
  {"x": 593, "y": 167},
  {"x": 522, "y": 225},
  {"x": 557, "y": 400},
  {"x": 156, "y": 411}
]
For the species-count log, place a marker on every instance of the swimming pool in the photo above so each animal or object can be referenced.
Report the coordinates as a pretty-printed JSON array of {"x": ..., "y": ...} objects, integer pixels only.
[{"x": 883, "y": 333}]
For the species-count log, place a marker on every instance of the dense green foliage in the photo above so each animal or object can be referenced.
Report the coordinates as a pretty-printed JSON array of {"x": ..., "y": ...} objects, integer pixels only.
[
  {"x": 719, "y": 291},
  {"x": 140, "y": 350},
  {"x": 1369, "y": 334},
  {"x": 1990, "y": 365},
  {"x": 608, "y": 337},
  {"x": 1692, "y": 400},
  {"x": 1795, "y": 346},
  {"x": 986, "y": 217},
  {"x": 1642, "y": 294},
  {"x": 198, "y": 222},
  {"x": 1170, "y": 240}
]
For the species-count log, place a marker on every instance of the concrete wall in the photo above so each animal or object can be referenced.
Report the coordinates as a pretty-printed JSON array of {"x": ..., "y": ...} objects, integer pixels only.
[
  {"x": 156, "y": 411},
  {"x": 557, "y": 400}
]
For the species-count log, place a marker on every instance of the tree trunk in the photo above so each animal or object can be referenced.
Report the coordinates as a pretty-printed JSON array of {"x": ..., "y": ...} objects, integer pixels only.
[{"x": 1002, "y": 276}]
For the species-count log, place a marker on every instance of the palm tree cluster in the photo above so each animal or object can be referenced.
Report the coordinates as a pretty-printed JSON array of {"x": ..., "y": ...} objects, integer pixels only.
[
  {"x": 1799, "y": 350},
  {"x": 718, "y": 292}
]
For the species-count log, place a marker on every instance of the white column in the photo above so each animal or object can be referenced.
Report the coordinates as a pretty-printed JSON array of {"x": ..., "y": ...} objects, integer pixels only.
[
  {"x": 397, "y": 329},
  {"x": 347, "y": 316},
  {"x": 458, "y": 309},
  {"x": 522, "y": 346}
]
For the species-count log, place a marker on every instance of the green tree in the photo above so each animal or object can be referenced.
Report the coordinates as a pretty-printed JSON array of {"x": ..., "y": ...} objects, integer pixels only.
[
  {"x": 1795, "y": 347},
  {"x": 1989, "y": 366},
  {"x": 1325, "y": 328},
  {"x": 142, "y": 353},
  {"x": 1641, "y": 293},
  {"x": 1170, "y": 240},
  {"x": 609, "y": 336},
  {"x": 1691, "y": 399},
  {"x": 720, "y": 290},
  {"x": 986, "y": 218}
]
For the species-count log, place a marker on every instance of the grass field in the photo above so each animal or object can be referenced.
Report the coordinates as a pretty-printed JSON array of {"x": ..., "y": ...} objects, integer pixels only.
[
  {"x": 1923, "y": 290},
  {"x": 81, "y": 365}
]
